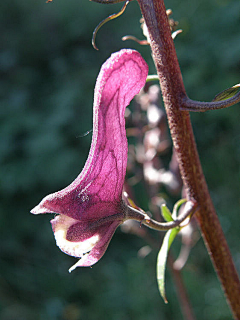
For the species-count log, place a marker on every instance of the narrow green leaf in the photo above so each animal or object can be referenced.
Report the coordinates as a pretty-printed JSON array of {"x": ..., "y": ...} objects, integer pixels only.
[
  {"x": 172, "y": 236},
  {"x": 166, "y": 213},
  {"x": 177, "y": 206},
  {"x": 228, "y": 93},
  {"x": 162, "y": 260}
]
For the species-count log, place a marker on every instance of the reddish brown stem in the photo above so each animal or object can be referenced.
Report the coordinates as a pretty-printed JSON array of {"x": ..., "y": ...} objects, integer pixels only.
[
  {"x": 200, "y": 106},
  {"x": 181, "y": 291},
  {"x": 173, "y": 92}
]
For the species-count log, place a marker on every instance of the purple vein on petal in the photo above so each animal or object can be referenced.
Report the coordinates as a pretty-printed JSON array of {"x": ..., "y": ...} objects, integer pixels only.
[{"x": 101, "y": 180}]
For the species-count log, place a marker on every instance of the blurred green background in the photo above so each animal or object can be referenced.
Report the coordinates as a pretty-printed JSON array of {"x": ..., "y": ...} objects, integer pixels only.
[{"x": 48, "y": 70}]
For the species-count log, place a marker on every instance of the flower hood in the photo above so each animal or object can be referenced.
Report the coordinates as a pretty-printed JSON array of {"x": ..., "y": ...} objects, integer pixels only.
[{"x": 91, "y": 207}]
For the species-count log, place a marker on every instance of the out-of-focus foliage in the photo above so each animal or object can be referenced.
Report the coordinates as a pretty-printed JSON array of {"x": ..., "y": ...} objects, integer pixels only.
[{"x": 48, "y": 70}]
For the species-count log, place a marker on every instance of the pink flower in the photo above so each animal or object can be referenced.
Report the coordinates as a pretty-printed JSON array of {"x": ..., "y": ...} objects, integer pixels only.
[{"x": 91, "y": 207}]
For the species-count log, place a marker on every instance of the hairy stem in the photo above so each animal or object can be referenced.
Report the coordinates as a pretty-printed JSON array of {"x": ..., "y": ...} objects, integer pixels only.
[
  {"x": 164, "y": 55},
  {"x": 200, "y": 106}
]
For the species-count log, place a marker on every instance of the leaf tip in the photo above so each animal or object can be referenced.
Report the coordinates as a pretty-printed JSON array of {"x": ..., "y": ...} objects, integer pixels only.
[{"x": 165, "y": 300}]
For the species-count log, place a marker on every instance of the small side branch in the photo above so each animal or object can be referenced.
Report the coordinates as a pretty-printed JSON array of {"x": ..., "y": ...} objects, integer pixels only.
[
  {"x": 198, "y": 106},
  {"x": 111, "y": 17},
  {"x": 189, "y": 209}
]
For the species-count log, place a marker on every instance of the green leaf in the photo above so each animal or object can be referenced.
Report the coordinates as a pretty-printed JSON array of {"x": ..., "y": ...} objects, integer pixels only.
[
  {"x": 166, "y": 213},
  {"x": 167, "y": 241},
  {"x": 162, "y": 260},
  {"x": 228, "y": 93},
  {"x": 177, "y": 206}
]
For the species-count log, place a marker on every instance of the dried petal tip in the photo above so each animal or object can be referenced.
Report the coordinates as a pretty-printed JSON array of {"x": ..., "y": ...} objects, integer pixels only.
[{"x": 81, "y": 229}]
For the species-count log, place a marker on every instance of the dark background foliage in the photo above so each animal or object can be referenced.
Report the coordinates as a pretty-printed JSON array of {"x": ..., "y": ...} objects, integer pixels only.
[{"x": 48, "y": 70}]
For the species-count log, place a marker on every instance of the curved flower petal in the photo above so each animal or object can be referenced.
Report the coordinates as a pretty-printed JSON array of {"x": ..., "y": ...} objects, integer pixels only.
[
  {"x": 91, "y": 208},
  {"x": 97, "y": 191},
  {"x": 105, "y": 235},
  {"x": 83, "y": 240}
]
